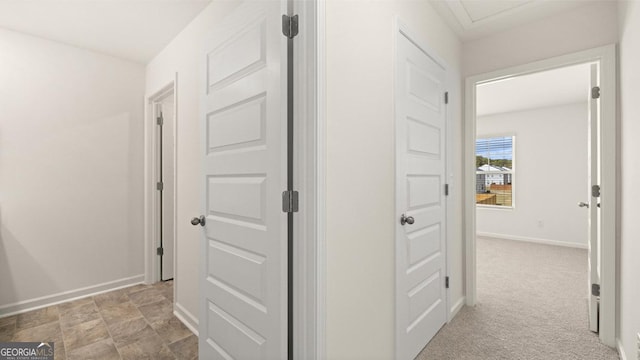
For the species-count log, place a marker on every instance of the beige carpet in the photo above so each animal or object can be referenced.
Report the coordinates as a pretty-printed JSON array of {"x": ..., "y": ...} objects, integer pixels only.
[{"x": 531, "y": 305}]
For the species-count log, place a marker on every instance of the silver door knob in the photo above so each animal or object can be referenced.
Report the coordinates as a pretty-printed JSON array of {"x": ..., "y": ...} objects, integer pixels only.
[
  {"x": 406, "y": 220},
  {"x": 198, "y": 220},
  {"x": 583, "y": 204}
]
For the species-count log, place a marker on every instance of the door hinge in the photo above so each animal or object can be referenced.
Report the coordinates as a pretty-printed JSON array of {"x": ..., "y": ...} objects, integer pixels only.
[
  {"x": 595, "y": 289},
  {"x": 160, "y": 251},
  {"x": 160, "y": 120},
  {"x": 446, "y": 97},
  {"x": 446, "y": 189},
  {"x": 290, "y": 26},
  {"x": 159, "y": 186},
  {"x": 595, "y": 92},
  {"x": 446, "y": 282},
  {"x": 595, "y": 191},
  {"x": 290, "y": 201}
]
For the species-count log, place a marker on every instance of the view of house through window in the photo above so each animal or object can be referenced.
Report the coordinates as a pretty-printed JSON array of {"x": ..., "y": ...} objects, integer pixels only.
[{"x": 494, "y": 171}]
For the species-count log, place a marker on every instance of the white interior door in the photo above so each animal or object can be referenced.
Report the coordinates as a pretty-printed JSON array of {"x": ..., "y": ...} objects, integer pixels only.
[
  {"x": 420, "y": 172},
  {"x": 168, "y": 190},
  {"x": 594, "y": 209},
  {"x": 243, "y": 290}
]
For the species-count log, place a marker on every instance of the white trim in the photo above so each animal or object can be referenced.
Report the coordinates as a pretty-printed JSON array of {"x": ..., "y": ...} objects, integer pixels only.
[
  {"x": 187, "y": 318},
  {"x": 494, "y": 207},
  {"x": 606, "y": 55},
  {"x": 306, "y": 168},
  {"x": 151, "y": 260},
  {"x": 457, "y": 306},
  {"x": 320, "y": 177},
  {"x": 533, "y": 240},
  {"x": 608, "y": 321},
  {"x": 70, "y": 295},
  {"x": 175, "y": 187},
  {"x": 621, "y": 352}
]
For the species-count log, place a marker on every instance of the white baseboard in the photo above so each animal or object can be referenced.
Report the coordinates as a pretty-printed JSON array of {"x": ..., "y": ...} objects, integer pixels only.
[
  {"x": 54, "y": 299},
  {"x": 623, "y": 356},
  {"x": 186, "y": 317},
  {"x": 532, "y": 240},
  {"x": 455, "y": 309}
]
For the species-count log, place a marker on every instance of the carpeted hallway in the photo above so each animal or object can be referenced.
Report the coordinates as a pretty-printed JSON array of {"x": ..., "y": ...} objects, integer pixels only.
[{"x": 531, "y": 305}]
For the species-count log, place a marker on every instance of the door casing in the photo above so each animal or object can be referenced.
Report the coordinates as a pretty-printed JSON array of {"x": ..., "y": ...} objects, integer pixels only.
[
  {"x": 606, "y": 57},
  {"x": 151, "y": 198},
  {"x": 593, "y": 178},
  {"x": 166, "y": 175},
  {"x": 309, "y": 175}
]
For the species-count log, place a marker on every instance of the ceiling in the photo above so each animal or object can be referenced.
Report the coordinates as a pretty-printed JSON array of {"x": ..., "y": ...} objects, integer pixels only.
[
  {"x": 131, "y": 29},
  {"x": 138, "y": 29},
  {"x": 472, "y": 19},
  {"x": 548, "y": 88}
]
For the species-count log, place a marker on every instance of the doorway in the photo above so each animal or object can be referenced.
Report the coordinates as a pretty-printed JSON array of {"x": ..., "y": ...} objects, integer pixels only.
[
  {"x": 532, "y": 202},
  {"x": 503, "y": 194},
  {"x": 160, "y": 186},
  {"x": 165, "y": 184}
]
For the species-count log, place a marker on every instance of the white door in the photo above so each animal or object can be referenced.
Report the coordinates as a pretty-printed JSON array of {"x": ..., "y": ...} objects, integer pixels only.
[
  {"x": 243, "y": 285},
  {"x": 167, "y": 203},
  {"x": 594, "y": 209},
  {"x": 420, "y": 172}
]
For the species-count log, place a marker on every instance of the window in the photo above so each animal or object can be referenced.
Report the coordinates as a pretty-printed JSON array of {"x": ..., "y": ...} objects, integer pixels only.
[{"x": 494, "y": 171}]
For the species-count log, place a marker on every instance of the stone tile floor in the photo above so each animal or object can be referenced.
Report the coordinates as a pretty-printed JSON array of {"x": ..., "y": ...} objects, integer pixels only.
[{"x": 131, "y": 323}]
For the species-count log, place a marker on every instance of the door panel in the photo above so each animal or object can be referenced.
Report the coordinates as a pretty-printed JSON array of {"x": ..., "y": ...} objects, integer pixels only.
[
  {"x": 244, "y": 264},
  {"x": 420, "y": 170}
]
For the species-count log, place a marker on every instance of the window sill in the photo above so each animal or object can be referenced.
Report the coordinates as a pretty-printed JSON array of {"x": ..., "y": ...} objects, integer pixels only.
[{"x": 495, "y": 207}]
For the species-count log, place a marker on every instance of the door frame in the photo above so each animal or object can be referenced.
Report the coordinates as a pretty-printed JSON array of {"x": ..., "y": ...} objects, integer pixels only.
[
  {"x": 315, "y": 46},
  {"x": 151, "y": 200},
  {"x": 606, "y": 56},
  {"x": 310, "y": 180},
  {"x": 309, "y": 175}
]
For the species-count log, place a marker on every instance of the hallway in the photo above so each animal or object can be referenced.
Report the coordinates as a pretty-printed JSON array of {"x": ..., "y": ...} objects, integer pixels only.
[{"x": 531, "y": 305}]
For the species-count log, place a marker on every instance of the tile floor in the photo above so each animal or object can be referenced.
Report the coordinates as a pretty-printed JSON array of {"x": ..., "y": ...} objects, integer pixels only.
[{"x": 131, "y": 323}]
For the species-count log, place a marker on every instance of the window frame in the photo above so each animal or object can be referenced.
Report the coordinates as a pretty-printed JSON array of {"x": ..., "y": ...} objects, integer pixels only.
[{"x": 512, "y": 172}]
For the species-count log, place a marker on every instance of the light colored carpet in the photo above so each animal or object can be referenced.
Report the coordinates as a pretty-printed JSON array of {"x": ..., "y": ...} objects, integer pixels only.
[{"x": 531, "y": 305}]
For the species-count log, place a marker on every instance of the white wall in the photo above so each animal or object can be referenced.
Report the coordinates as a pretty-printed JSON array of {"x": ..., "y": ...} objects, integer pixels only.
[
  {"x": 70, "y": 172},
  {"x": 630, "y": 165},
  {"x": 550, "y": 175},
  {"x": 360, "y": 188},
  {"x": 583, "y": 28},
  {"x": 182, "y": 56}
]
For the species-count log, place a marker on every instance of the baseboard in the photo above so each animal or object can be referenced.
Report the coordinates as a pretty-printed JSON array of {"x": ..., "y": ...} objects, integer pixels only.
[
  {"x": 532, "y": 240},
  {"x": 623, "y": 356},
  {"x": 54, "y": 299},
  {"x": 455, "y": 309},
  {"x": 186, "y": 317}
]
